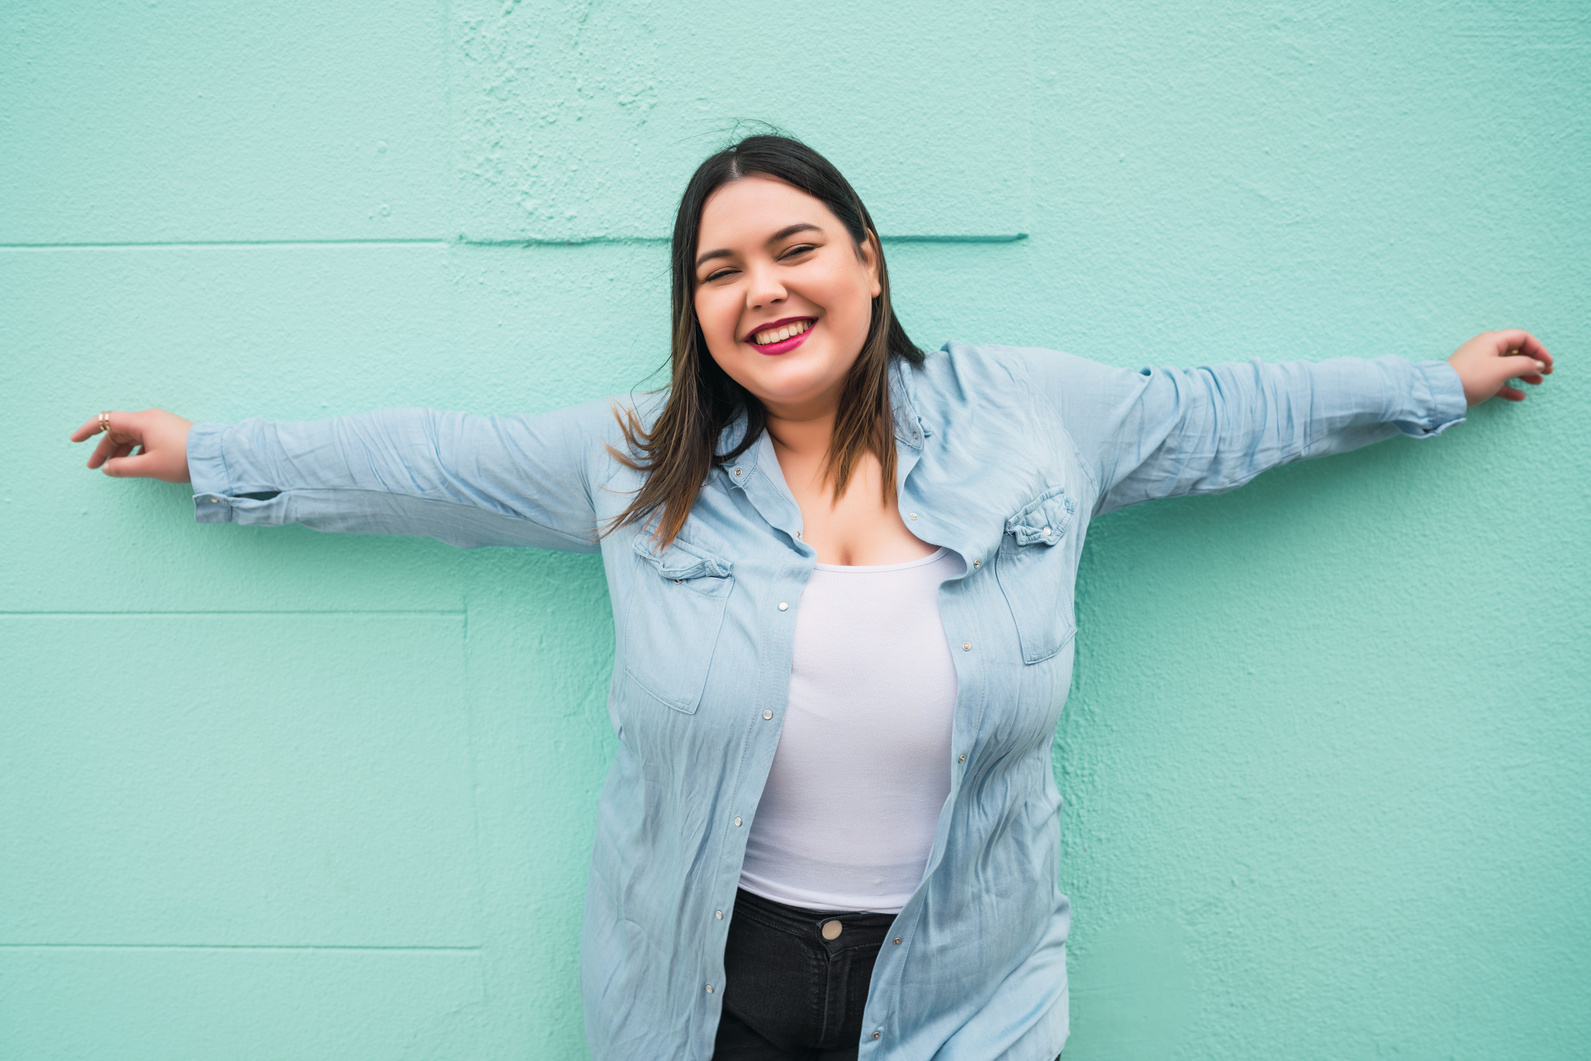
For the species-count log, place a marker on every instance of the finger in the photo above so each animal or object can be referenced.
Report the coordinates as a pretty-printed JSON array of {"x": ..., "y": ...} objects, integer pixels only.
[
  {"x": 126, "y": 431},
  {"x": 102, "y": 452},
  {"x": 1513, "y": 394},
  {"x": 120, "y": 424},
  {"x": 120, "y": 447},
  {"x": 125, "y": 466},
  {"x": 1512, "y": 341},
  {"x": 1519, "y": 367},
  {"x": 87, "y": 431},
  {"x": 1508, "y": 338},
  {"x": 110, "y": 445},
  {"x": 1534, "y": 349}
]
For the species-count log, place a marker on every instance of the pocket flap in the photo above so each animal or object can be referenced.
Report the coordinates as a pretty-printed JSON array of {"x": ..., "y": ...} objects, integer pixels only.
[
  {"x": 1042, "y": 521},
  {"x": 681, "y": 560}
]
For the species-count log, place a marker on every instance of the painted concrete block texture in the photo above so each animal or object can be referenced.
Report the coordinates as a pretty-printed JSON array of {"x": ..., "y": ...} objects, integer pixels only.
[
  {"x": 183, "y": 121},
  {"x": 1327, "y": 757},
  {"x": 583, "y": 121}
]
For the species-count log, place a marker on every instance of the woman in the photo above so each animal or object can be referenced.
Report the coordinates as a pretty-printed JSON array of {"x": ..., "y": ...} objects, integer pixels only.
[{"x": 843, "y": 571}]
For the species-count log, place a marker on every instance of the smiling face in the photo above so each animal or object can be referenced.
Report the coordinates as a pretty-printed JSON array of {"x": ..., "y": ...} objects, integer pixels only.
[{"x": 783, "y": 294}]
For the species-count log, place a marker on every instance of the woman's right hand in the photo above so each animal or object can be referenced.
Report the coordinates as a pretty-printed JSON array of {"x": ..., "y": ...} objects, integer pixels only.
[{"x": 152, "y": 444}]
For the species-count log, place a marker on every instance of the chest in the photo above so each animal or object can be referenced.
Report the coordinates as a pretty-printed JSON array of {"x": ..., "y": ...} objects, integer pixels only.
[
  {"x": 711, "y": 616},
  {"x": 860, "y": 526}
]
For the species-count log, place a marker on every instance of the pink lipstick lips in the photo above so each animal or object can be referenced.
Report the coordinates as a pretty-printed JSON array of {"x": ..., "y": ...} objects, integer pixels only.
[{"x": 783, "y": 346}]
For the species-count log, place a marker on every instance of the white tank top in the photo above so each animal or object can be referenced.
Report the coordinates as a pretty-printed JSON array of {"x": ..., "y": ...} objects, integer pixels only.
[{"x": 862, "y": 770}]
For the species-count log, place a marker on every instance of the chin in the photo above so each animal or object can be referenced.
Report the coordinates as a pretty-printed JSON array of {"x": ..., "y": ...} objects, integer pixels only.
[{"x": 790, "y": 388}]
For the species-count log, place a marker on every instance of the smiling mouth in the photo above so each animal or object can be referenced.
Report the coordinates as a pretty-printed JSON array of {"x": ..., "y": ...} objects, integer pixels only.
[{"x": 769, "y": 336}]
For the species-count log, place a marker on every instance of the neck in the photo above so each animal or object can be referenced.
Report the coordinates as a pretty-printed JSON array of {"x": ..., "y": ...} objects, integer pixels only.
[{"x": 804, "y": 437}]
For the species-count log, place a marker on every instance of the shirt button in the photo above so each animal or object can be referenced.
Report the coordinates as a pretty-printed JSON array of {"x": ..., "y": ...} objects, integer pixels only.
[
  {"x": 877, "y": 1034},
  {"x": 963, "y": 758},
  {"x": 913, "y": 516},
  {"x": 215, "y": 501},
  {"x": 897, "y": 941},
  {"x": 737, "y": 821},
  {"x": 977, "y": 563},
  {"x": 766, "y": 715},
  {"x": 1046, "y": 530},
  {"x": 709, "y": 989},
  {"x": 737, "y": 475},
  {"x": 718, "y": 914},
  {"x": 966, "y": 646},
  {"x": 784, "y": 605}
]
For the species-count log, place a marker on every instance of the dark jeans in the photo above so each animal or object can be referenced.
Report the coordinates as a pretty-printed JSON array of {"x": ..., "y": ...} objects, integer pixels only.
[{"x": 789, "y": 993}]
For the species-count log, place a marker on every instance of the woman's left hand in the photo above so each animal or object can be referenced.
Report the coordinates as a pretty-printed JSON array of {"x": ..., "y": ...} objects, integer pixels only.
[{"x": 1487, "y": 362}]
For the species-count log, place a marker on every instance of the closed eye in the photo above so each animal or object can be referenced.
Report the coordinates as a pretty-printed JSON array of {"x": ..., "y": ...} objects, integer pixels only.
[{"x": 794, "y": 252}]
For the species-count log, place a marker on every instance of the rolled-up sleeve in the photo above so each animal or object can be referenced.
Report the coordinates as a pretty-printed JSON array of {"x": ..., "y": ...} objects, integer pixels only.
[
  {"x": 465, "y": 480},
  {"x": 1165, "y": 432}
]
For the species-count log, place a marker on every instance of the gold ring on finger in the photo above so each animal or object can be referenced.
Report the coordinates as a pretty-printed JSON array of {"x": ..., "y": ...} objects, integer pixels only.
[{"x": 104, "y": 421}]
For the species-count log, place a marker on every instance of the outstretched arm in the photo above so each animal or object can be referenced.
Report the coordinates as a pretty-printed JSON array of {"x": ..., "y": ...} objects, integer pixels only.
[
  {"x": 1164, "y": 432},
  {"x": 466, "y": 480}
]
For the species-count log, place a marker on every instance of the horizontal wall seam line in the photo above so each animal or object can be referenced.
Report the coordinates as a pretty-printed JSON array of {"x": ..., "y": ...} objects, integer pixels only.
[
  {"x": 533, "y": 241},
  {"x": 236, "y": 946},
  {"x": 571, "y": 241},
  {"x": 182, "y": 244},
  {"x": 1000, "y": 237},
  {"x": 587, "y": 241},
  {"x": 146, "y": 612}
]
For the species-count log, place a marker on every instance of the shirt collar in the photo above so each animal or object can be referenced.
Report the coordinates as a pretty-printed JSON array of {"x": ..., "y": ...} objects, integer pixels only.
[
  {"x": 910, "y": 430},
  {"x": 728, "y": 439}
]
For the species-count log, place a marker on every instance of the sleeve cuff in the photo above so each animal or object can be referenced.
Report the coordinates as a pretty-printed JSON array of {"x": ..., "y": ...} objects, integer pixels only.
[
  {"x": 1436, "y": 401},
  {"x": 208, "y": 473}
]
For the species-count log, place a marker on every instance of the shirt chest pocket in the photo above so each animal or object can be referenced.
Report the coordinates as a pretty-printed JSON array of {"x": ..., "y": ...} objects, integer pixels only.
[
  {"x": 1035, "y": 574},
  {"x": 672, "y": 623}
]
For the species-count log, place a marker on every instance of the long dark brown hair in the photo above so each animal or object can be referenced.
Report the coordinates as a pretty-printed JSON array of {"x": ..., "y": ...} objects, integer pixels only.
[{"x": 678, "y": 453}]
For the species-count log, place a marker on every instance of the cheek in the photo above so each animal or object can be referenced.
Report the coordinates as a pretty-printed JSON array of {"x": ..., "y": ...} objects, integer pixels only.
[
  {"x": 703, "y": 308},
  {"x": 718, "y": 315},
  {"x": 719, "y": 331},
  {"x": 853, "y": 305}
]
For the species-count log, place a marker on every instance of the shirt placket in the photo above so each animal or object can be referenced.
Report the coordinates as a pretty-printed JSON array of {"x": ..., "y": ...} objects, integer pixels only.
[
  {"x": 922, "y": 516},
  {"x": 792, "y": 563}
]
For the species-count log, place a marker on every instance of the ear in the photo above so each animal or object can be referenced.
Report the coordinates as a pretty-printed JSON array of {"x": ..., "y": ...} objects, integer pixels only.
[{"x": 871, "y": 255}]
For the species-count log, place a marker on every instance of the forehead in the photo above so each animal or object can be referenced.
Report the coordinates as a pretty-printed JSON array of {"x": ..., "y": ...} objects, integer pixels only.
[{"x": 753, "y": 208}]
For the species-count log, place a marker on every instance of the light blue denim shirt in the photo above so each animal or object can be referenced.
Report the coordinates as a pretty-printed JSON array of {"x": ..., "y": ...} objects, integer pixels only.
[{"x": 1005, "y": 455}]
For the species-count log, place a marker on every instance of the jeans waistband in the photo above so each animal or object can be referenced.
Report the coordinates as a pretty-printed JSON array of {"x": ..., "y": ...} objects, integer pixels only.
[{"x": 800, "y": 920}]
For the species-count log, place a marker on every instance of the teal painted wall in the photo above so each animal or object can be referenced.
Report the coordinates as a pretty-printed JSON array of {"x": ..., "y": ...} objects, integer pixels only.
[{"x": 279, "y": 794}]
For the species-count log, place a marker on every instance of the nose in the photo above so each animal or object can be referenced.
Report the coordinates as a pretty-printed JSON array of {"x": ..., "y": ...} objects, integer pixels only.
[{"x": 763, "y": 287}]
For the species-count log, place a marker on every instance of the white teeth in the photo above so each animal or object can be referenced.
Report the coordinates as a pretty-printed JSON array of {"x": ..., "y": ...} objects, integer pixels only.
[{"x": 775, "y": 335}]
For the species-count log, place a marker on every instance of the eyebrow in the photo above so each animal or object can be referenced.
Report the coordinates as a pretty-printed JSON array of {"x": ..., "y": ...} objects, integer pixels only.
[{"x": 783, "y": 233}]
